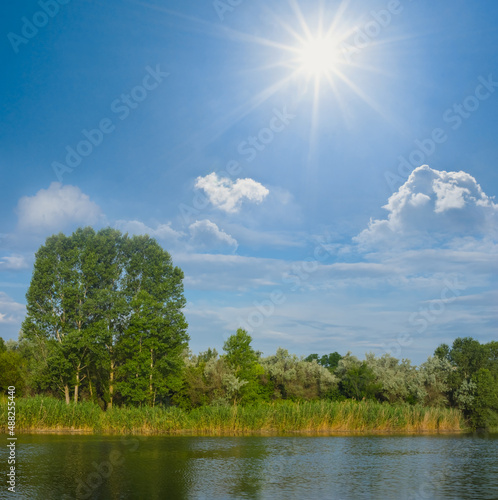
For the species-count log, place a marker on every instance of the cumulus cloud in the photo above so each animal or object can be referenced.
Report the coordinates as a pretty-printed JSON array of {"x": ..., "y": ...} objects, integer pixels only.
[
  {"x": 434, "y": 204},
  {"x": 55, "y": 209},
  {"x": 206, "y": 235},
  {"x": 162, "y": 232},
  {"x": 227, "y": 195}
]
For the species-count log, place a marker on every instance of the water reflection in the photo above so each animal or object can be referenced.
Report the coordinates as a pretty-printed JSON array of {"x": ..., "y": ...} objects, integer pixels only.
[{"x": 334, "y": 467}]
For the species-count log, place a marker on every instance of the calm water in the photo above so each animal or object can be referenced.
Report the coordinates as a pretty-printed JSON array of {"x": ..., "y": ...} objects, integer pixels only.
[{"x": 332, "y": 467}]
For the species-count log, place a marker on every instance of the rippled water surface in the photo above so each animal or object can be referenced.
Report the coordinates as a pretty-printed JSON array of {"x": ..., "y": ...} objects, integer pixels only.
[{"x": 325, "y": 467}]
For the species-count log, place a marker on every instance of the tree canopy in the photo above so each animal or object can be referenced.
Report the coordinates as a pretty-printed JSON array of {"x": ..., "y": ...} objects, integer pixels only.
[{"x": 107, "y": 309}]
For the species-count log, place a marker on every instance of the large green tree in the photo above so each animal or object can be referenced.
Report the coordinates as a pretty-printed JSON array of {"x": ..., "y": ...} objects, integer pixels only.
[
  {"x": 53, "y": 308},
  {"x": 473, "y": 379},
  {"x": 243, "y": 384},
  {"x": 108, "y": 310}
]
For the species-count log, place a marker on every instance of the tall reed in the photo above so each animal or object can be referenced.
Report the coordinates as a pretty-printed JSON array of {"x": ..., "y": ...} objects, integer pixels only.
[{"x": 48, "y": 414}]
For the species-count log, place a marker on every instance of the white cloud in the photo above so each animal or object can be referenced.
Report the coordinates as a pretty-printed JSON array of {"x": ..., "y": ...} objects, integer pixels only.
[
  {"x": 162, "y": 232},
  {"x": 207, "y": 235},
  {"x": 13, "y": 263},
  {"x": 217, "y": 272},
  {"x": 449, "y": 195},
  {"x": 11, "y": 316},
  {"x": 55, "y": 209},
  {"x": 434, "y": 204},
  {"x": 227, "y": 195},
  {"x": 202, "y": 235}
]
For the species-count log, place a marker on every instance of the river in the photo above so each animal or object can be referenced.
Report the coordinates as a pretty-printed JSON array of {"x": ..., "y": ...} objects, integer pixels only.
[{"x": 297, "y": 467}]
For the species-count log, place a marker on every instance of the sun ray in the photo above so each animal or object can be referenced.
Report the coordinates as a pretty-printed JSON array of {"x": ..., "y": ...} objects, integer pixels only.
[
  {"x": 333, "y": 28},
  {"x": 216, "y": 129},
  {"x": 362, "y": 95},
  {"x": 309, "y": 61},
  {"x": 301, "y": 19},
  {"x": 314, "y": 122}
]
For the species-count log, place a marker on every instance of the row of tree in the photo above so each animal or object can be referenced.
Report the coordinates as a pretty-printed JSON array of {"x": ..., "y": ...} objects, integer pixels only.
[
  {"x": 104, "y": 323},
  {"x": 463, "y": 376}
]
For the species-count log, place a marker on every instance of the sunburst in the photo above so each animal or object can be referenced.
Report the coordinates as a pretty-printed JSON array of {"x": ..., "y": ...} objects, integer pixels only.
[{"x": 313, "y": 52}]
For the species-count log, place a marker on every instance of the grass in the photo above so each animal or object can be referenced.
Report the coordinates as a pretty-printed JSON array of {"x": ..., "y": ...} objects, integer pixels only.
[{"x": 40, "y": 414}]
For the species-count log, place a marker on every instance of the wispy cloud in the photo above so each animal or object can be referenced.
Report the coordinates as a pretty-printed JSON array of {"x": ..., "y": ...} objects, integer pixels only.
[
  {"x": 205, "y": 234},
  {"x": 11, "y": 315},
  {"x": 13, "y": 263},
  {"x": 201, "y": 236},
  {"x": 163, "y": 232}
]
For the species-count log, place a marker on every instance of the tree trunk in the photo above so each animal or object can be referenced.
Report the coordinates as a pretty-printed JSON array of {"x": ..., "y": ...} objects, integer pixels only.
[
  {"x": 90, "y": 386},
  {"x": 150, "y": 376},
  {"x": 111, "y": 386},
  {"x": 79, "y": 369},
  {"x": 76, "y": 386},
  {"x": 66, "y": 393}
]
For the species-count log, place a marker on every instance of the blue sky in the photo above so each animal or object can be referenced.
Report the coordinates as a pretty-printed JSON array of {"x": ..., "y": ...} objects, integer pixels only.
[{"x": 276, "y": 150}]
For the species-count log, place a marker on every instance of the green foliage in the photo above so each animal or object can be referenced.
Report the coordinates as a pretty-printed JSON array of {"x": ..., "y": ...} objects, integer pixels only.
[
  {"x": 442, "y": 352},
  {"x": 207, "y": 355},
  {"x": 473, "y": 379},
  {"x": 240, "y": 356},
  {"x": 207, "y": 380},
  {"x": 12, "y": 371},
  {"x": 435, "y": 373},
  {"x": 329, "y": 361},
  {"x": 357, "y": 379},
  {"x": 484, "y": 407},
  {"x": 359, "y": 383},
  {"x": 106, "y": 310},
  {"x": 397, "y": 381},
  {"x": 242, "y": 384},
  {"x": 297, "y": 379},
  {"x": 468, "y": 355}
]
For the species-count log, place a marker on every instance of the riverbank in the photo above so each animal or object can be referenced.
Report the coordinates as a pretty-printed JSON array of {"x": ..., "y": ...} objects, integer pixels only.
[{"x": 43, "y": 414}]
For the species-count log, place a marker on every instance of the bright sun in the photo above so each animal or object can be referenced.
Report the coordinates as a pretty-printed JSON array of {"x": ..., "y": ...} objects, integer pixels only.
[
  {"x": 316, "y": 60},
  {"x": 318, "y": 57}
]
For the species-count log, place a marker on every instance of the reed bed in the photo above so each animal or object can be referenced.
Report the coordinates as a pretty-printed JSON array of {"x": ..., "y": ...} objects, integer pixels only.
[{"x": 44, "y": 414}]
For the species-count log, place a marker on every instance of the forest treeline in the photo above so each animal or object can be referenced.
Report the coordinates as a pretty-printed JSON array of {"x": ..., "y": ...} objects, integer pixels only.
[{"x": 105, "y": 325}]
